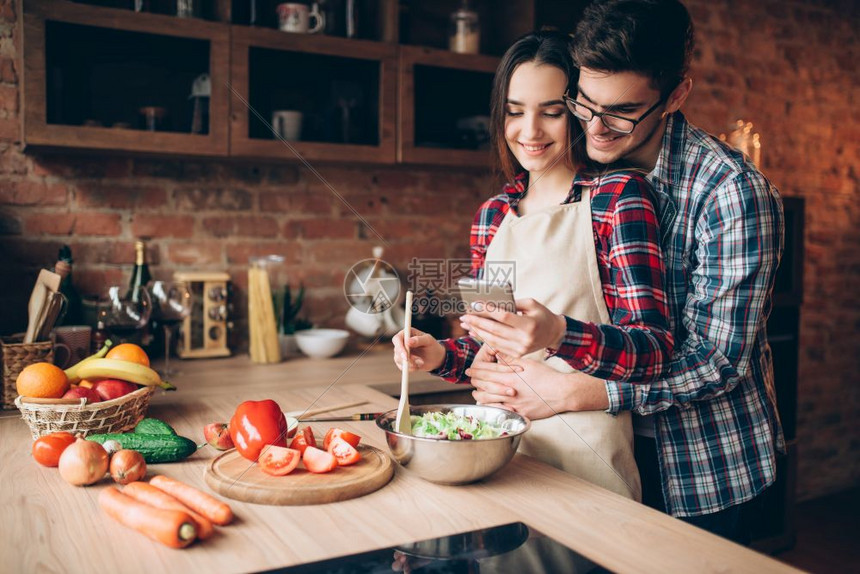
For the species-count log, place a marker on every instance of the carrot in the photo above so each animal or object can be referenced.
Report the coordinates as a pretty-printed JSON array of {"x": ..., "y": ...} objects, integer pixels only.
[
  {"x": 172, "y": 528},
  {"x": 200, "y": 502},
  {"x": 148, "y": 494}
]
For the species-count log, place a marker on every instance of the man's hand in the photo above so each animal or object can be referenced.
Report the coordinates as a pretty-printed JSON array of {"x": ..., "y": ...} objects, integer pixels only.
[
  {"x": 534, "y": 389},
  {"x": 517, "y": 334},
  {"x": 425, "y": 352}
]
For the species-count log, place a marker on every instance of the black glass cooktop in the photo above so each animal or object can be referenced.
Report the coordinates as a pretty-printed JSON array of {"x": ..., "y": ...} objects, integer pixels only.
[{"x": 511, "y": 548}]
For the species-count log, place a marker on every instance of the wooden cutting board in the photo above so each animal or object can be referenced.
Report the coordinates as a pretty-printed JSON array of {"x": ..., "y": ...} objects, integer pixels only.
[{"x": 236, "y": 477}]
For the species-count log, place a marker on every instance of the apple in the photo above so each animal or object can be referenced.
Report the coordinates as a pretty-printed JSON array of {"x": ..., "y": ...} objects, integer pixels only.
[
  {"x": 218, "y": 435},
  {"x": 113, "y": 388},
  {"x": 83, "y": 392}
]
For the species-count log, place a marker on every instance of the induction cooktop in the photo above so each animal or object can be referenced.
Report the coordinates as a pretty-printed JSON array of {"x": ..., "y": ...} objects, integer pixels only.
[{"x": 513, "y": 548}]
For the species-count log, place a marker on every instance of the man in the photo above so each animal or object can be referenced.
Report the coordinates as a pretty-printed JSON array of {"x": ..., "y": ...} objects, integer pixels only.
[{"x": 708, "y": 444}]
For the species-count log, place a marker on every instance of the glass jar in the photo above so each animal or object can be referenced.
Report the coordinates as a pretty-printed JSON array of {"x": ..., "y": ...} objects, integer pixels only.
[
  {"x": 264, "y": 276},
  {"x": 465, "y": 31}
]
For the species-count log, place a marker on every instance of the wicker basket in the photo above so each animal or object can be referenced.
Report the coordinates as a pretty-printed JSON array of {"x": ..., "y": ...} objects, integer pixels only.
[
  {"x": 113, "y": 416},
  {"x": 15, "y": 356}
]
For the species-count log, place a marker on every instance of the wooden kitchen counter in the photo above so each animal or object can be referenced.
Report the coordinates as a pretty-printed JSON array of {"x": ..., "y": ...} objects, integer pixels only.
[{"x": 48, "y": 525}]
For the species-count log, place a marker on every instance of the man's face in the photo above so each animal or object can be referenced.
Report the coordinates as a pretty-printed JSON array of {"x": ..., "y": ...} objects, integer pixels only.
[{"x": 626, "y": 94}]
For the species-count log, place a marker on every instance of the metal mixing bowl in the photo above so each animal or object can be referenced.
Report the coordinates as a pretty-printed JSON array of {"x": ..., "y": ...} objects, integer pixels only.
[{"x": 455, "y": 461}]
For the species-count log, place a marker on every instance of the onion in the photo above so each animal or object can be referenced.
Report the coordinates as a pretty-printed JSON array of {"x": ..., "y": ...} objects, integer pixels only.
[
  {"x": 83, "y": 462},
  {"x": 127, "y": 466}
]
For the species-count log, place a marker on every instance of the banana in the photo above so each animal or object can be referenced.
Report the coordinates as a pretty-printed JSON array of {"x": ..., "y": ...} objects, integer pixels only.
[
  {"x": 72, "y": 372},
  {"x": 123, "y": 370}
]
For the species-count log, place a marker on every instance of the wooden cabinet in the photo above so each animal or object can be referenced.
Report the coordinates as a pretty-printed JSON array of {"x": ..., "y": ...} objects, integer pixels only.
[
  {"x": 392, "y": 94},
  {"x": 90, "y": 72},
  {"x": 349, "y": 111},
  {"x": 444, "y": 107}
]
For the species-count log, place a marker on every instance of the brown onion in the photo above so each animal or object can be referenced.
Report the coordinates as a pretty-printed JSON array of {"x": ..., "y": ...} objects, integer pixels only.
[
  {"x": 127, "y": 466},
  {"x": 83, "y": 462}
]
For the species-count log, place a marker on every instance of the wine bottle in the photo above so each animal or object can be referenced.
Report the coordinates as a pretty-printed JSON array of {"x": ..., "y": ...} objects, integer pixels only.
[
  {"x": 74, "y": 305},
  {"x": 140, "y": 275},
  {"x": 99, "y": 337}
]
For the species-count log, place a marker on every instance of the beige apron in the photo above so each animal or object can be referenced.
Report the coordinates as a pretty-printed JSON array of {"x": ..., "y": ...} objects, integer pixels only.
[{"x": 556, "y": 264}]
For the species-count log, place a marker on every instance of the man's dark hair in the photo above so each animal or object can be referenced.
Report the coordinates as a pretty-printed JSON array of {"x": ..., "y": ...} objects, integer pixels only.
[{"x": 649, "y": 37}]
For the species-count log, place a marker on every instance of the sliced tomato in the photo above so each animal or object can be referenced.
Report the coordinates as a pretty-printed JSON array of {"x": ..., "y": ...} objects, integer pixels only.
[
  {"x": 318, "y": 461},
  {"x": 333, "y": 433},
  {"x": 278, "y": 461},
  {"x": 47, "y": 449},
  {"x": 303, "y": 439},
  {"x": 345, "y": 453}
]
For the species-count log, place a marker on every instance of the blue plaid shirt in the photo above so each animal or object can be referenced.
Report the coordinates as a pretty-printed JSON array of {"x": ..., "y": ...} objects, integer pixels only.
[{"x": 716, "y": 423}]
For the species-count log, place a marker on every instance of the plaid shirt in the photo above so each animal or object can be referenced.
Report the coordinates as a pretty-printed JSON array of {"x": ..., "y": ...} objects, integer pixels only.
[
  {"x": 637, "y": 345},
  {"x": 716, "y": 423}
]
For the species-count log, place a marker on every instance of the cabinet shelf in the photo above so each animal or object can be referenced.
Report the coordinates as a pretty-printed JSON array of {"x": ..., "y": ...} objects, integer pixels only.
[
  {"x": 344, "y": 89},
  {"x": 445, "y": 107},
  {"x": 70, "y": 79},
  {"x": 90, "y": 69}
]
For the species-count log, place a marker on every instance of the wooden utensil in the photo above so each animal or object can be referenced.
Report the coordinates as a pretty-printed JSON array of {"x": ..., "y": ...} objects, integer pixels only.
[
  {"x": 46, "y": 281},
  {"x": 403, "y": 423},
  {"x": 238, "y": 478},
  {"x": 52, "y": 311}
]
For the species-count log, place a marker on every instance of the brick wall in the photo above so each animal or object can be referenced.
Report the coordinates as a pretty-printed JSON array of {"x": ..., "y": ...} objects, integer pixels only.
[
  {"x": 788, "y": 66},
  {"x": 207, "y": 215}
]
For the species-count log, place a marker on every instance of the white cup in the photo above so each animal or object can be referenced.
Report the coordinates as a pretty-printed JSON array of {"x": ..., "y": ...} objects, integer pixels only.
[
  {"x": 287, "y": 124},
  {"x": 294, "y": 17}
]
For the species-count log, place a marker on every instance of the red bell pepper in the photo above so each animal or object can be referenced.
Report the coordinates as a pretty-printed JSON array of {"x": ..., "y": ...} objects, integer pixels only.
[{"x": 256, "y": 424}]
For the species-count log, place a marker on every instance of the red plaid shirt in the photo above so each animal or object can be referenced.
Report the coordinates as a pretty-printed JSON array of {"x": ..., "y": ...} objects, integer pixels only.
[{"x": 638, "y": 343}]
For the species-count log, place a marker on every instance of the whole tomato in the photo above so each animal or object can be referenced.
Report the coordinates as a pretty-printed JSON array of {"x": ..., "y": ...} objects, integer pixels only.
[
  {"x": 47, "y": 449},
  {"x": 256, "y": 424}
]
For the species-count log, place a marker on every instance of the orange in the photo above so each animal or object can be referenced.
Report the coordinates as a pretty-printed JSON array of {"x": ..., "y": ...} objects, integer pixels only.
[
  {"x": 129, "y": 352},
  {"x": 42, "y": 380}
]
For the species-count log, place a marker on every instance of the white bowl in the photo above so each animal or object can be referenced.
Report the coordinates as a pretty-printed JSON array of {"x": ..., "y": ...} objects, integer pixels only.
[{"x": 321, "y": 343}]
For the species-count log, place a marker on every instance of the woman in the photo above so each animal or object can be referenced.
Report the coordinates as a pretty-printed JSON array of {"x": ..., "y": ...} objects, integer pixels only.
[{"x": 585, "y": 245}]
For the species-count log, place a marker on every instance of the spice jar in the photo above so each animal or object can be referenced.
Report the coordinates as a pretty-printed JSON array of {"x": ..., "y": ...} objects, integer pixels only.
[{"x": 465, "y": 31}]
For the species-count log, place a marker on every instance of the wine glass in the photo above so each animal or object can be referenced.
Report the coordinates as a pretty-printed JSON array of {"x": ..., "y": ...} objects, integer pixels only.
[
  {"x": 171, "y": 305},
  {"x": 125, "y": 310}
]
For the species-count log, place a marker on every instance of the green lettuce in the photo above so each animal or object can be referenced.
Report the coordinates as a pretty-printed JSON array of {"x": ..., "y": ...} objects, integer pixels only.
[{"x": 452, "y": 426}]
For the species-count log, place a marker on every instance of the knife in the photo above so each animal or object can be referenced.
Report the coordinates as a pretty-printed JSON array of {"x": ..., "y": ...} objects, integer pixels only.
[
  {"x": 355, "y": 417},
  {"x": 312, "y": 412}
]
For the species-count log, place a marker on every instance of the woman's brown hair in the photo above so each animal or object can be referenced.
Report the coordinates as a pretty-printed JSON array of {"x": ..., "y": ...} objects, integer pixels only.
[{"x": 549, "y": 48}]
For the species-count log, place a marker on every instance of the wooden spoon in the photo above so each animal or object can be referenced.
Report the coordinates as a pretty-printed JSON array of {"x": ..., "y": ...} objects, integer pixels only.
[
  {"x": 403, "y": 423},
  {"x": 47, "y": 281}
]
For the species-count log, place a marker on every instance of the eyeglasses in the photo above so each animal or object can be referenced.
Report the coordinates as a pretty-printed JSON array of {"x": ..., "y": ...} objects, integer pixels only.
[{"x": 614, "y": 122}]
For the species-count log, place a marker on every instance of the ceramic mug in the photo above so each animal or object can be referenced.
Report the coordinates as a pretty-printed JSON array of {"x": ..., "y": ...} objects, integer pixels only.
[
  {"x": 71, "y": 344},
  {"x": 296, "y": 18},
  {"x": 287, "y": 124}
]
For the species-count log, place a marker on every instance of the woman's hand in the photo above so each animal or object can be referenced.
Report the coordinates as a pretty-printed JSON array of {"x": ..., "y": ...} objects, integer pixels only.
[
  {"x": 425, "y": 352},
  {"x": 533, "y": 328},
  {"x": 534, "y": 389}
]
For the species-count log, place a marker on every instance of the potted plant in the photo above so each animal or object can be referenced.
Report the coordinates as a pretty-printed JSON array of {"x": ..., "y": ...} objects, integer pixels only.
[{"x": 287, "y": 309}]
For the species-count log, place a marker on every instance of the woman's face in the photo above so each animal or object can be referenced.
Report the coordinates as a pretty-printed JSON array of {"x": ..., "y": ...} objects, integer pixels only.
[{"x": 536, "y": 117}]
